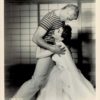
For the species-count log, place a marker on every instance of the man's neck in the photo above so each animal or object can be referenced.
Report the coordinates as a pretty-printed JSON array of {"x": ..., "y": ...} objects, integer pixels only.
[{"x": 57, "y": 12}]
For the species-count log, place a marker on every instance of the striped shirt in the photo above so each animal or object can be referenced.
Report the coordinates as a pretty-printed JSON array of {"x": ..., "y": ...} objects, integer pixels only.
[{"x": 50, "y": 22}]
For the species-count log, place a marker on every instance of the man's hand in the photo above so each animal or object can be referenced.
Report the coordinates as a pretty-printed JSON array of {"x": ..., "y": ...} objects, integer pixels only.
[{"x": 57, "y": 49}]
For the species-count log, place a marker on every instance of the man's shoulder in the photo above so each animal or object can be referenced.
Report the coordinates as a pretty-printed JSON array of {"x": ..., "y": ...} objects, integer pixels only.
[{"x": 49, "y": 15}]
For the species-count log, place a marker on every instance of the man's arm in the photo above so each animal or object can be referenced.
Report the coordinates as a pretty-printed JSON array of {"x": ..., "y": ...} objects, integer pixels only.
[{"x": 37, "y": 38}]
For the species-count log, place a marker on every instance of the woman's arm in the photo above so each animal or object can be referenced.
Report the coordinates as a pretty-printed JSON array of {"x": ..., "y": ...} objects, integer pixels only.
[{"x": 42, "y": 53}]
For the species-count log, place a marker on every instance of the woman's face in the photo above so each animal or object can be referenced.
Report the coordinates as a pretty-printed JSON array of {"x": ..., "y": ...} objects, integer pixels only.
[{"x": 58, "y": 33}]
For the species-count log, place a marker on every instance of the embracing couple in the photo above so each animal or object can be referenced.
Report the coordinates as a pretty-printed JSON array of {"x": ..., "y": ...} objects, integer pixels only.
[{"x": 56, "y": 75}]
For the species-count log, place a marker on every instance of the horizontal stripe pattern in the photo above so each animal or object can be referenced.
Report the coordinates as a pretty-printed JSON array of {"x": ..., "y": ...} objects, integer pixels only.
[{"x": 50, "y": 21}]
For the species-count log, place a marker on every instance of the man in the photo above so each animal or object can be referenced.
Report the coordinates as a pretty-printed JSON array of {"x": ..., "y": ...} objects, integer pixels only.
[{"x": 53, "y": 20}]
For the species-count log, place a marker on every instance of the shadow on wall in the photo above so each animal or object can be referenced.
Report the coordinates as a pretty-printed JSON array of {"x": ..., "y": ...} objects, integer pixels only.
[
  {"x": 85, "y": 46},
  {"x": 17, "y": 74}
]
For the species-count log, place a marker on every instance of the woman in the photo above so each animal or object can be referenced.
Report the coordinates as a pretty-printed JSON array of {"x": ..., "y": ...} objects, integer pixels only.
[{"x": 65, "y": 81}]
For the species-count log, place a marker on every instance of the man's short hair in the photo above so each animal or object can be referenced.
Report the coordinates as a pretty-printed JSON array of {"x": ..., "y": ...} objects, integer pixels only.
[{"x": 72, "y": 6}]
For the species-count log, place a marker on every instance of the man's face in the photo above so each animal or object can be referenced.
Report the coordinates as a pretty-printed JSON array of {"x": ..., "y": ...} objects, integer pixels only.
[{"x": 71, "y": 15}]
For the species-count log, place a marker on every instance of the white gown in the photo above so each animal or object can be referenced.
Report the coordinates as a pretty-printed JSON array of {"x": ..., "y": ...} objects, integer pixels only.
[{"x": 66, "y": 82}]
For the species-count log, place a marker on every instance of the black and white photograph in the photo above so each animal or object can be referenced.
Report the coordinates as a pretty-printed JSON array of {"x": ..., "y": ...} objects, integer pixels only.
[{"x": 49, "y": 50}]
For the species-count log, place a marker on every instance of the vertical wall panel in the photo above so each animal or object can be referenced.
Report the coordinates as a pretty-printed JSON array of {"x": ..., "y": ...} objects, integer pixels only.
[{"x": 21, "y": 23}]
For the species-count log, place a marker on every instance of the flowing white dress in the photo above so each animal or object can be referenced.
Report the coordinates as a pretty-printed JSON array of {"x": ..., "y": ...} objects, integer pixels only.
[{"x": 66, "y": 82}]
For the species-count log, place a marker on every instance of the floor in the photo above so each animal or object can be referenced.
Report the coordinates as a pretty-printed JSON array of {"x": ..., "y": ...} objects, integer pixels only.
[{"x": 16, "y": 75}]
